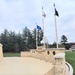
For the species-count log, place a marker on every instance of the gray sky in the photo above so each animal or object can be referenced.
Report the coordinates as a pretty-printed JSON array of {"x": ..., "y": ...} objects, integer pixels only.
[{"x": 16, "y": 14}]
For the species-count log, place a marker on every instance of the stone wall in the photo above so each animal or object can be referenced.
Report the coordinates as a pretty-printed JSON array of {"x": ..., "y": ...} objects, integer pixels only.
[
  {"x": 47, "y": 55},
  {"x": 42, "y": 56},
  {"x": 1, "y": 52}
]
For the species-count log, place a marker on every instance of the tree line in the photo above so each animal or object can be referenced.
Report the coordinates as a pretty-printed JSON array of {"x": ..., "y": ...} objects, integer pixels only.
[
  {"x": 17, "y": 42},
  {"x": 63, "y": 43}
]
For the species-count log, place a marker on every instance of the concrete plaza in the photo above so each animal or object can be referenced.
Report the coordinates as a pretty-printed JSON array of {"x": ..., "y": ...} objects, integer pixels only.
[{"x": 24, "y": 66}]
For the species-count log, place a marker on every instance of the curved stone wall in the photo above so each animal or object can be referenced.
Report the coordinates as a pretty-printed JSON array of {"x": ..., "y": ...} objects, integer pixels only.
[
  {"x": 47, "y": 55},
  {"x": 42, "y": 56}
]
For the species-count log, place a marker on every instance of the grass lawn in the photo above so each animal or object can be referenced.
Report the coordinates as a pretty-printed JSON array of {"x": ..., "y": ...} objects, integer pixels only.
[
  {"x": 70, "y": 57},
  {"x": 11, "y": 54}
]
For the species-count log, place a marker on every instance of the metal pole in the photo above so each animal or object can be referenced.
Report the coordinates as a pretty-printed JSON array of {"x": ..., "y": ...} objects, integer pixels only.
[
  {"x": 56, "y": 28},
  {"x": 36, "y": 37},
  {"x": 43, "y": 27}
]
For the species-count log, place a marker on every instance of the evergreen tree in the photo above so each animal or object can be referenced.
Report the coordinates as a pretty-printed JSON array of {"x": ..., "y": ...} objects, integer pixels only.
[
  {"x": 54, "y": 44},
  {"x": 27, "y": 38},
  {"x": 20, "y": 42},
  {"x": 63, "y": 40},
  {"x": 12, "y": 41},
  {"x": 4, "y": 40}
]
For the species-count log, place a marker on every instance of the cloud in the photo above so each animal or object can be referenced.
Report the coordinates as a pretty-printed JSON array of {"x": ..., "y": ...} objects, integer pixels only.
[{"x": 16, "y": 14}]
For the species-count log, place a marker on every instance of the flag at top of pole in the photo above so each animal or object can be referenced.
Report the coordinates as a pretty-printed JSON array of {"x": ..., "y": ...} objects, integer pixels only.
[
  {"x": 56, "y": 12},
  {"x": 44, "y": 15},
  {"x": 38, "y": 27}
]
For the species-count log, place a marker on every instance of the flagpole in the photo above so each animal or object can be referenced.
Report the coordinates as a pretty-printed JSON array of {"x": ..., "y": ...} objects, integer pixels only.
[
  {"x": 43, "y": 28},
  {"x": 56, "y": 29},
  {"x": 36, "y": 38}
]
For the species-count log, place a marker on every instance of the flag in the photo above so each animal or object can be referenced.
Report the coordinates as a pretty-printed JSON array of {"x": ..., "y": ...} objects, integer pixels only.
[
  {"x": 56, "y": 12},
  {"x": 38, "y": 27},
  {"x": 44, "y": 15}
]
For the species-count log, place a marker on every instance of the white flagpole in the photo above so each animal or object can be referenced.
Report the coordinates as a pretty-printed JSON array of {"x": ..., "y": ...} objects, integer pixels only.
[
  {"x": 56, "y": 29},
  {"x": 36, "y": 38},
  {"x": 43, "y": 26}
]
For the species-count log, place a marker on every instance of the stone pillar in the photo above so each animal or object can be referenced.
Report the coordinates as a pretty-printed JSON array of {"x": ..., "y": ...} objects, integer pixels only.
[
  {"x": 1, "y": 52},
  {"x": 60, "y": 64}
]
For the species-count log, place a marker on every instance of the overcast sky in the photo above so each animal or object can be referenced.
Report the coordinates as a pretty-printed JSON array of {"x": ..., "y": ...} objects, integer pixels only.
[{"x": 16, "y": 14}]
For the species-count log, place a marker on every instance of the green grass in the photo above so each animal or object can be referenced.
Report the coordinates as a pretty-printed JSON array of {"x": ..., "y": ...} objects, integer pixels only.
[
  {"x": 11, "y": 54},
  {"x": 70, "y": 58}
]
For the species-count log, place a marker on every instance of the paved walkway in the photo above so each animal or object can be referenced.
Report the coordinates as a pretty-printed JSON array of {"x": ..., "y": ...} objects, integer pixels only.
[{"x": 24, "y": 66}]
